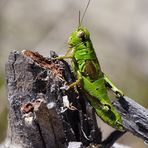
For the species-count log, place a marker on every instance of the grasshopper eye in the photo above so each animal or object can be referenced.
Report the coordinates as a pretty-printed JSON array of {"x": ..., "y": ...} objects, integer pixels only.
[{"x": 81, "y": 35}]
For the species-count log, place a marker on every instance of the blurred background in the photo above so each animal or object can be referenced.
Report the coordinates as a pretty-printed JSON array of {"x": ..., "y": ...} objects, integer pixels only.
[{"x": 119, "y": 32}]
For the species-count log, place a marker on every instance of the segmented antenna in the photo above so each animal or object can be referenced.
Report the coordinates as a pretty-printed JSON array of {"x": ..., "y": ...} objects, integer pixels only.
[{"x": 81, "y": 19}]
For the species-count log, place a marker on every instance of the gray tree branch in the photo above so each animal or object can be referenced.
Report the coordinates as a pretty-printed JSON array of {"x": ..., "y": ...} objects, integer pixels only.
[{"x": 134, "y": 116}]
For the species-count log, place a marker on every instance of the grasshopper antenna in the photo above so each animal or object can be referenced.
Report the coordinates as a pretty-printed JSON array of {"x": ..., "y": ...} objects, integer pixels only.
[{"x": 80, "y": 20}]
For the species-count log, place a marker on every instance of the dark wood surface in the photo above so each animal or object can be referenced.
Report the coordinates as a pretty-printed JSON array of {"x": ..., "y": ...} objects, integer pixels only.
[{"x": 38, "y": 117}]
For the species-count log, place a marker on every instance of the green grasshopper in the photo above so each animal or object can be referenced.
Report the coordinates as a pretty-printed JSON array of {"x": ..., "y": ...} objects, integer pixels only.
[{"x": 90, "y": 78}]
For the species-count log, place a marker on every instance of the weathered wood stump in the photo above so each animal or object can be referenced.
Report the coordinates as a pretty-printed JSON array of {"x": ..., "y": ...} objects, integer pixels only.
[{"x": 43, "y": 115}]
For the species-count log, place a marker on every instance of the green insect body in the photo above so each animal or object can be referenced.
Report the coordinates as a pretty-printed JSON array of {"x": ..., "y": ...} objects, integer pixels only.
[{"x": 90, "y": 78}]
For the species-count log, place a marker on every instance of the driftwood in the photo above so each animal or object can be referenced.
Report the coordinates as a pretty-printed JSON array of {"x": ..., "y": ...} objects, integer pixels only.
[{"x": 43, "y": 115}]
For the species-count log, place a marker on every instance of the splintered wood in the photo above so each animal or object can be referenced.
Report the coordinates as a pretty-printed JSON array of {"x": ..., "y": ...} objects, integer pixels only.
[{"x": 44, "y": 62}]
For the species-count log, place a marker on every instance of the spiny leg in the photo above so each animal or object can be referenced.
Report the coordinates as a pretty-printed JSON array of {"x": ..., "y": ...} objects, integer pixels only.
[{"x": 110, "y": 84}]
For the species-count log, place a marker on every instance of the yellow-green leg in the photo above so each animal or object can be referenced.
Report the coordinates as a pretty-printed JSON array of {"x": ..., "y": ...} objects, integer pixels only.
[
  {"x": 69, "y": 54},
  {"x": 77, "y": 82}
]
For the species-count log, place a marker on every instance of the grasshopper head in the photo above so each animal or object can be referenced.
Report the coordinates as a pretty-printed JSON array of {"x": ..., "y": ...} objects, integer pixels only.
[{"x": 81, "y": 35}]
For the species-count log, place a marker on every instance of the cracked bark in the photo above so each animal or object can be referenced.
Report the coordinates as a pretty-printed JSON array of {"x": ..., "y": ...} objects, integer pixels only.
[{"x": 37, "y": 116}]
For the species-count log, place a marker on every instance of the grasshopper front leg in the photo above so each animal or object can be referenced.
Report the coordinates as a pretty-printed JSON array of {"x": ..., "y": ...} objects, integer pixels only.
[
  {"x": 110, "y": 84},
  {"x": 69, "y": 54}
]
